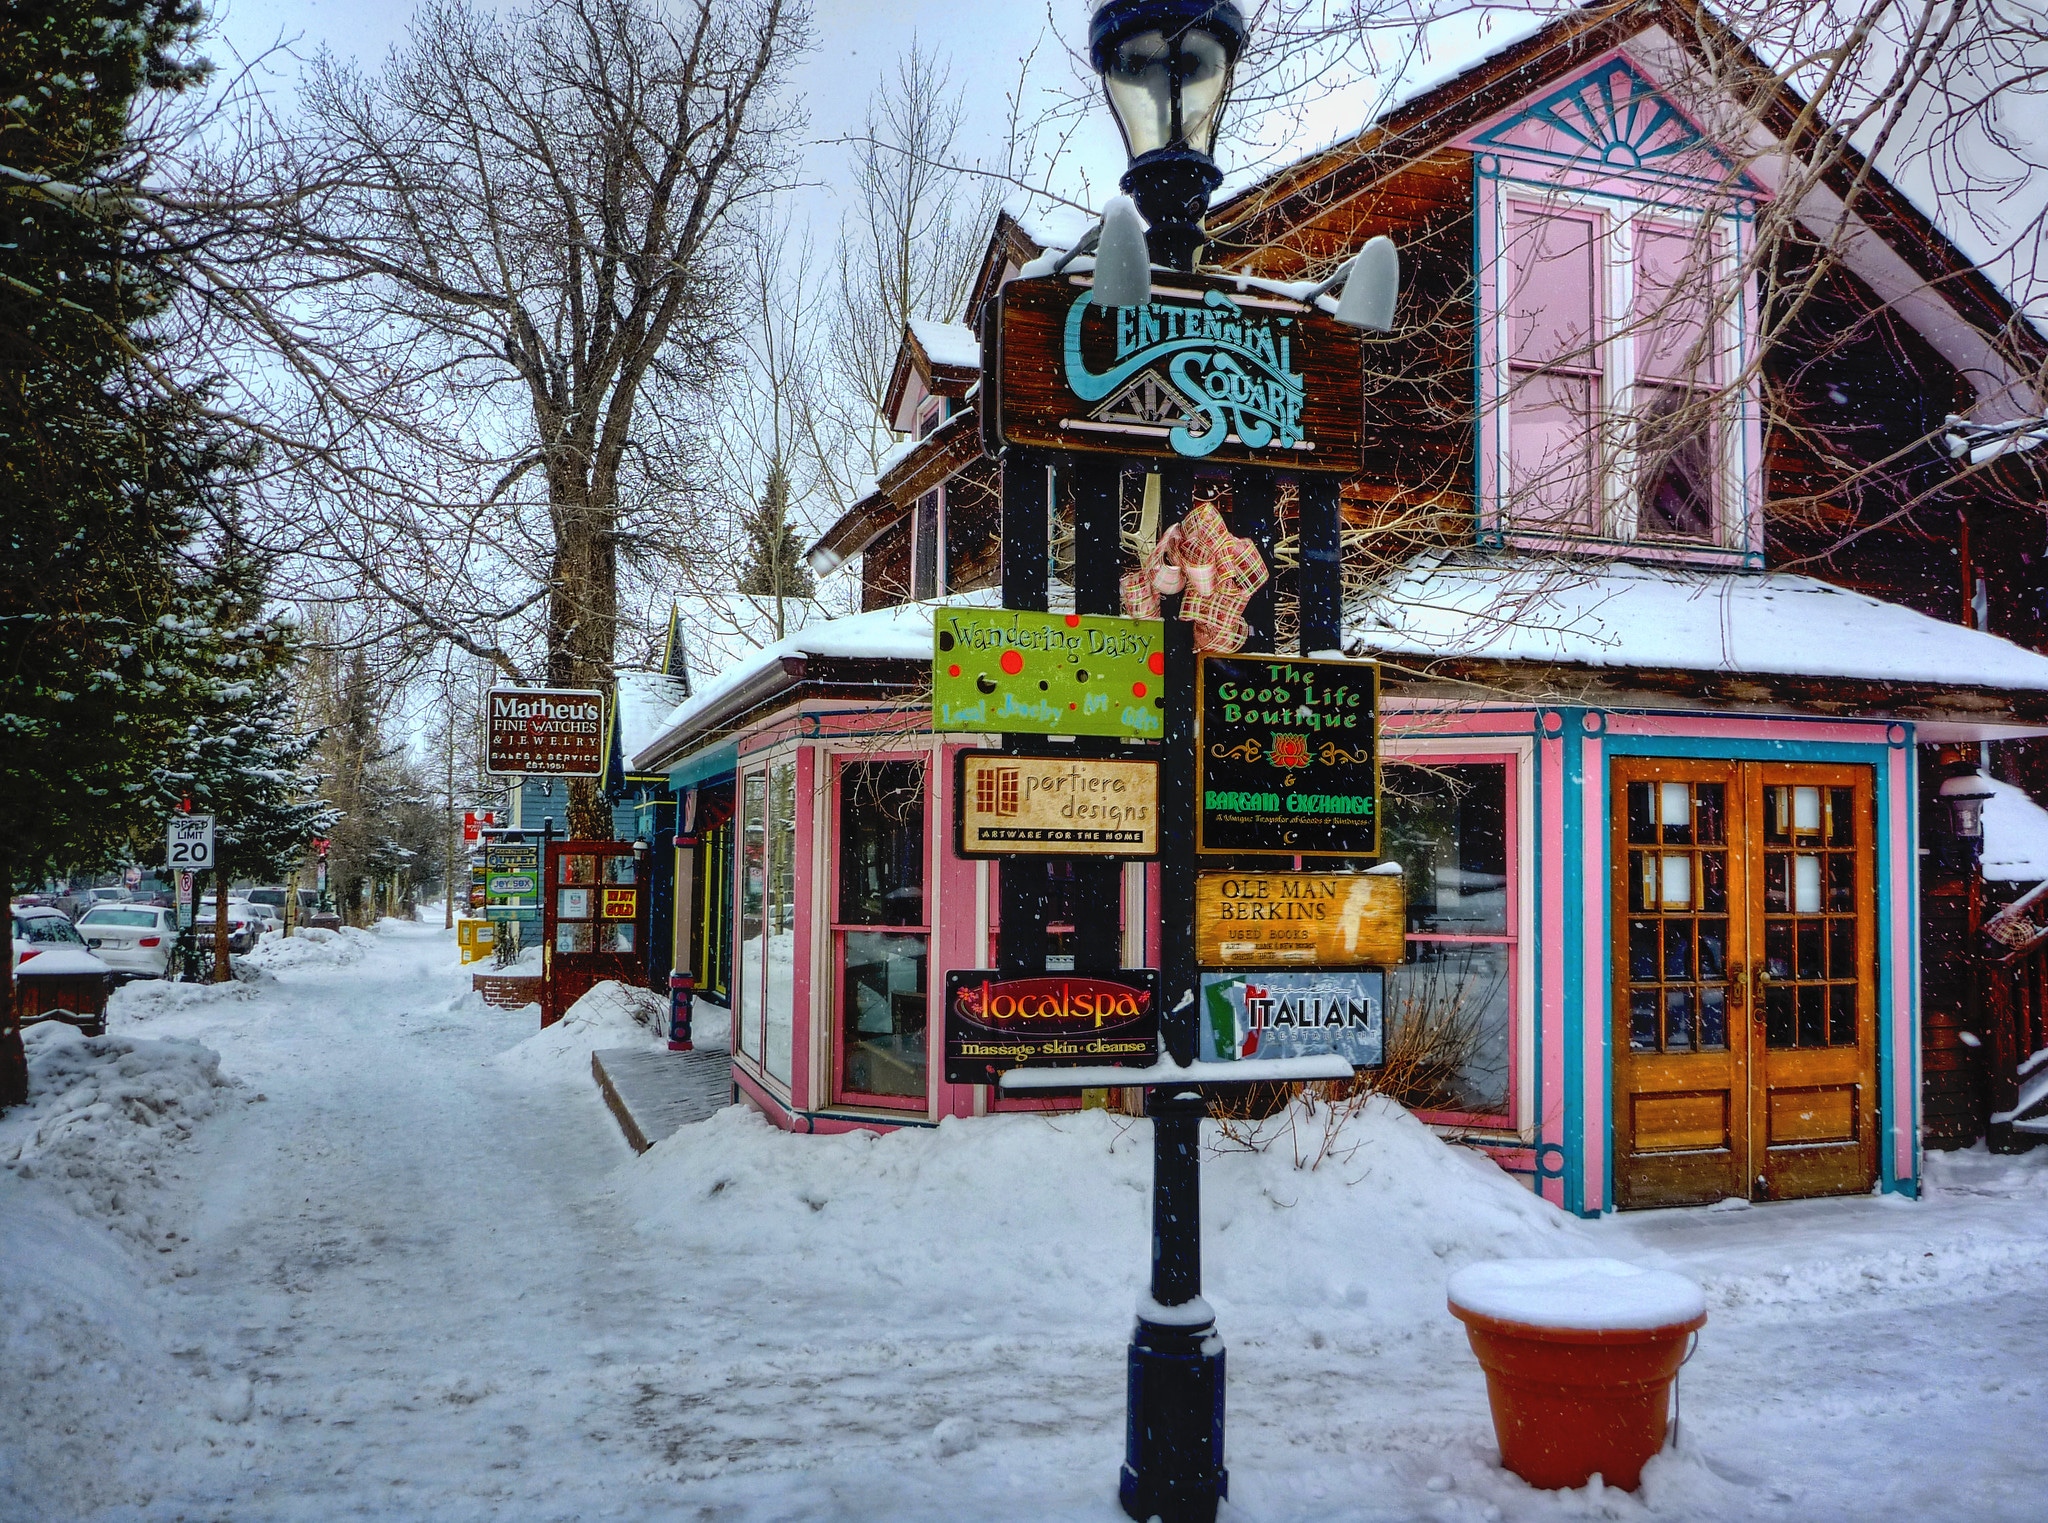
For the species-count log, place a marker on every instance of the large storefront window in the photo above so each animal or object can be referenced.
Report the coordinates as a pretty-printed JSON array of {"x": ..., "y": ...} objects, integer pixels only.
[
  {"x": 883, "y": 933},
  {"x": 1451, "y": 1005},
  {"x": 711, "y": 935},
  {"x": 764, "y": 996}
]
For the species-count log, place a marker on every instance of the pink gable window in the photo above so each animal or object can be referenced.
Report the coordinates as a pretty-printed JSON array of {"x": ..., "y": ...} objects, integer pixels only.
[
  {"x": 1551, "y": 311},
  {"x": 1610, "y": 234},
  {"x": 1676, "y": 371}
]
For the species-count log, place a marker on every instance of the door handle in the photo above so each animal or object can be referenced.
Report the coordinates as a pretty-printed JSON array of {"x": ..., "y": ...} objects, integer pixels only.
[{"x": 1738, "y": 985}]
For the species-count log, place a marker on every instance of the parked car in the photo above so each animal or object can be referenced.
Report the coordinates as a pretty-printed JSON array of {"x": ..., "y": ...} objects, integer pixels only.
[
  {"x": 55, "y": 976},
  {"x": 242, "y": 929},
  {"x": 39, "y": 929},
  {"x": 135, "y": 940},
  {"x": 266, "y": 916}
]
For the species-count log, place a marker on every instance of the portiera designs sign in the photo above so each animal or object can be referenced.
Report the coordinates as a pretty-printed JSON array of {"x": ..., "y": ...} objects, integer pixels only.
[
  {"x": 1211, "y": 368},
  {"x": 1058, "y": 1020},
  {"x": 1002, "y": 671},
  {"x": 1006, "y": 805},
  {"x": 1258, "y": 1016},
  {"x": 544, "y": 732}
]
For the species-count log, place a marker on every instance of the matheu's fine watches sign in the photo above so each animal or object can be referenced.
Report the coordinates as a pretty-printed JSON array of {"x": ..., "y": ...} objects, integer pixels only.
[
  {"x": 1211, "y": 368},
  {"x": 1056, "y": 806},
  {"x": 552, "y": 732},
  {"x": 1287, "y": 756},
  {"x": 1058, "y": 1020}
]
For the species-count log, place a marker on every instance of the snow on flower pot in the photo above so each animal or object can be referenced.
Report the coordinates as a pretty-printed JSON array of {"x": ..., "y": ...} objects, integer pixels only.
[{"x": 1579, "y": 1357}]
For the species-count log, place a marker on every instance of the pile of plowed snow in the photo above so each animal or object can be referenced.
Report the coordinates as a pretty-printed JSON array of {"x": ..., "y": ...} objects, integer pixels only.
[
  {"x": 103, "y": 1113},
  {"x": 611, "y": 1015},
  {"x": 1048, "y": 1216},
  {"x": 311, "y": 947}
]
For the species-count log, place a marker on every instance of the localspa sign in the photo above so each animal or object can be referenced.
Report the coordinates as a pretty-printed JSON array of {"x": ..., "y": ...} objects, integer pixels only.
[
  {"x": 544, "y": 732},
  {"x": 1060, "y": 1020},
  {"x": 1287, "y": 756},
  {"x": 1002, "y": 671}
]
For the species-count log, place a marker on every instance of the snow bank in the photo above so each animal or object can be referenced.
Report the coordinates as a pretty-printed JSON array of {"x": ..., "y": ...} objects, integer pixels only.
[
  {"x": 102, "y": 1114},
  {"x": 86, "y": 1362},
  {"x": 1048, "y": 1217},
  {"x": 1603, "y": 1295},
  {"x": 310, "y": 947},
  {"x": 151, "y": 999},
  {"x": 611, "y": 1015}
]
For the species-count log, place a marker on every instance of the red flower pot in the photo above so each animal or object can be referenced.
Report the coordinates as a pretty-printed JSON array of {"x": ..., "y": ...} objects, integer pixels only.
[{"x": 1571, "y": 1401}]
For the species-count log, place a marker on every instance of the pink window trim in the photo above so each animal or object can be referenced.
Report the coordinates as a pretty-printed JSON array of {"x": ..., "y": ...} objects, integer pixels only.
[
  {"x": 836, "y": 928},
  {"x": 1509, "y": 762}
]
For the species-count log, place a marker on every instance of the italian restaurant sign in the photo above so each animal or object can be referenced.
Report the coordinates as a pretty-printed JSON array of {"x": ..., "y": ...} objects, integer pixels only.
[
  {"x": 544, "y": 732},
  {"x": 1255, "y": 1016},
  {"x": 1287, "y": 756},
  {"x": 1299, "y": 920},
  {"x": 1055, "y": 1020},
  {"x": 1211, "y": 368},
  {"x": 1056, "y": 805},
  {"x": 1005, "y": 671}
]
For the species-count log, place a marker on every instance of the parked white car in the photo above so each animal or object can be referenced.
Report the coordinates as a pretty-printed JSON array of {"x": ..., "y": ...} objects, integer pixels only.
[
  {"x": 135, "y": 940},
  {"x": 265, "y": 916},
  {"x": 243, "y": 928},
  {"x": 48, "y": 936}
]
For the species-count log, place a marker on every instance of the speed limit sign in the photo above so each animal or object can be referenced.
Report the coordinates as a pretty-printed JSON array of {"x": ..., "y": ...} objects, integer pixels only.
[{"x": 191, "y": 842}]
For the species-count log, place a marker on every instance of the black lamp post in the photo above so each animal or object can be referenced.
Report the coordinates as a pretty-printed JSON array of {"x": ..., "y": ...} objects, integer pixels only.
[{"x": 1166, "y": 67}]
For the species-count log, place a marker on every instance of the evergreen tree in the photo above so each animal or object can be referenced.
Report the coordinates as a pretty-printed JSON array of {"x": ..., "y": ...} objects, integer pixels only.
[
  {"x": 775, "y": 567},
  {"x": 106, "y": 639}
]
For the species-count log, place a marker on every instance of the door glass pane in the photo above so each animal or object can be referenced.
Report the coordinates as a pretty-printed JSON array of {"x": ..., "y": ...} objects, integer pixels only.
[
  {"x": 1842, "y": 1015},
  {"x": 1642, "y": 822},
  {"x": 883, "y": 1013},
  {"x": 1450, "y": 1003},
  {"x": 1713, "y": 1018},
  {"x": 1677, "y": 955},
  {"x": 881, "y": 843},
  {"x": 1447, "y": 827},
  {"x": 780, "y": 913},
  {"x": 746, "y": 994},
  {"x": 1805, "y": 884}
]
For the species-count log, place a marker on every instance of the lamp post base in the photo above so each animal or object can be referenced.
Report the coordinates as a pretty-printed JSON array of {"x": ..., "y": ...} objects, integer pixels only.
[{"x": 1173, "y": 1425}]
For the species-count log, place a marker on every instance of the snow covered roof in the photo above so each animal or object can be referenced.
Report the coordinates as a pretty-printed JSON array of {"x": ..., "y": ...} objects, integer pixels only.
[
  {"x": 901, "y": 633},
  {"x": 950, "y": 344},
  {"x": 718, "y": 632},
  {"x": 644, "y": 699},
  {"x": 1611, "y": 614},
  {"x": 2015, "y": 836}
]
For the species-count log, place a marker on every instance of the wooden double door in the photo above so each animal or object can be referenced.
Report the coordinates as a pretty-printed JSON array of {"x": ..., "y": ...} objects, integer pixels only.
[{"x": 1744, "y": 981}]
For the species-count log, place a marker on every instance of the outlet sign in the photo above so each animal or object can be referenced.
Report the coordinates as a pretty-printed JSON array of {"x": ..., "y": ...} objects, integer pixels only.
[
  {"x": 1255, "y": 1016},
  {"x": 1055, "y": 1020},
  {"x": 1287, "y": 756},
  {"x": 544, "y": 732},
  {"x": 1006, "y": 671}
]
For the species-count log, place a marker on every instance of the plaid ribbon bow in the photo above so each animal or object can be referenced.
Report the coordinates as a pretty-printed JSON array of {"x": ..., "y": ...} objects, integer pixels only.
[{"x": 1217, "y": 571}]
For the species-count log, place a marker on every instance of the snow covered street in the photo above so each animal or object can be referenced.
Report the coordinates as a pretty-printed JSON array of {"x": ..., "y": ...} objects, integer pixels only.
[{"x": 378, "y": 1267}]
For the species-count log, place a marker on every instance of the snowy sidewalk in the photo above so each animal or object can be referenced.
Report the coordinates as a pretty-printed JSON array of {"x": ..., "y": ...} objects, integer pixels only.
[{"x": 404, "y": 1266}]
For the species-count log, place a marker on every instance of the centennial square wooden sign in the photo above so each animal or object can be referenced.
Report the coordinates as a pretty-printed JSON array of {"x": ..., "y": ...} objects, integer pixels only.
[
  {"x": 1287, "y": 756},
  {"x": 1212, "y": 368},
  {"x": 1066, "y": 806}
]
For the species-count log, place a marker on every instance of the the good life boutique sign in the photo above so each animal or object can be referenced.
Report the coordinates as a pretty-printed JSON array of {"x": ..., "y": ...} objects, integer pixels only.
[
  {"x": 1287, "y": 757},
  {"x": 545, "y": 732}
]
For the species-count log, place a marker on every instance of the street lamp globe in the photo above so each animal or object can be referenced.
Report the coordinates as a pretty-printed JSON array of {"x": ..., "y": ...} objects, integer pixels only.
[{"x": 1166, "y": 68}]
